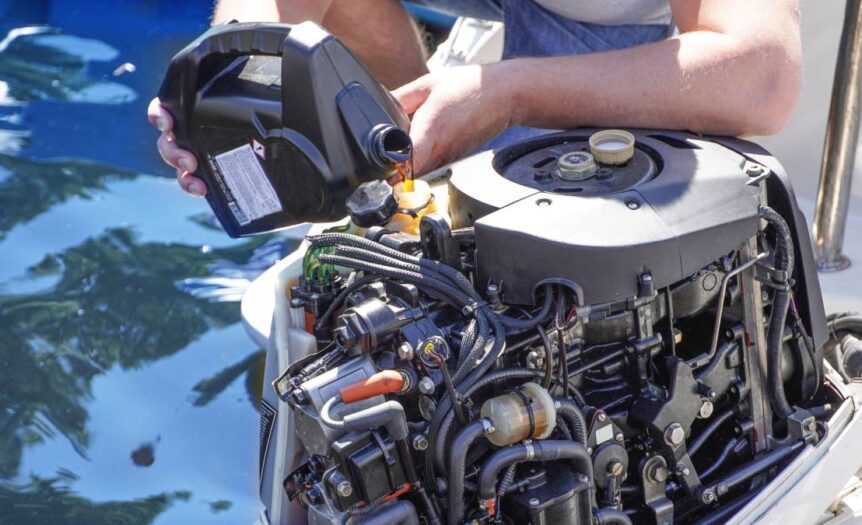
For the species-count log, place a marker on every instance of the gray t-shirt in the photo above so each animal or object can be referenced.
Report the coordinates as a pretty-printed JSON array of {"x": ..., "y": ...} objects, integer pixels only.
[{"x": 611, "y": 12}]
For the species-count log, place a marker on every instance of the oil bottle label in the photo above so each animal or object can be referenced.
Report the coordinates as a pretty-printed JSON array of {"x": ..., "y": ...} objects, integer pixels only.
[{"x": 253, "y": 193}]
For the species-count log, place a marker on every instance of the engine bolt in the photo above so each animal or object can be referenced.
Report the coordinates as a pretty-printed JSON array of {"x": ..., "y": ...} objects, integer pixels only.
[
  {"x": 708, "y": 497},
  {"x": 615, "y": 468},
  {"x": 810, "y": 425},
  {"x": 420, "y": 442},
  {"x": 657, "y": 472},
  {"x": 602, "y": 417},
  {"x": 674, "y": 434},
  {"x": 534, "y": 502},
  {"x": 426, "y": 385},
  {"x": 682, "y": 470},
  {"x": 706, "y": 409},
  {"x": 405, "y": 351},
  {"x": 620, "y": 437},
  {"x": 344, "y": 489}
]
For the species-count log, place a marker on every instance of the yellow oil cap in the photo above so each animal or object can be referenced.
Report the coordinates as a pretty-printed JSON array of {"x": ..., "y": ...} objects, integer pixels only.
[{"x": 612, "y": 146}]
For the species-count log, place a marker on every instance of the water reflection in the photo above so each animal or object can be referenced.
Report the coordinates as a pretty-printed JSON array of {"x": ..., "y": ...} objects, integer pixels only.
[
  {"x": 39, "y": 63},
  {"x": 128, "y": 385},
  {"x": 51, "y": 500}
]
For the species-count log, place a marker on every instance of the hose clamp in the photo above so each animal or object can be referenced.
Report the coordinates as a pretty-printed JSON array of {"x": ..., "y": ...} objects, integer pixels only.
[{"x": 531, "y": 450}]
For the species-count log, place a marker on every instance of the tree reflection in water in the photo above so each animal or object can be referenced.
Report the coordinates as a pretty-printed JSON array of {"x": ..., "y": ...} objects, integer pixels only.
[{"x": 114, "y": 304}]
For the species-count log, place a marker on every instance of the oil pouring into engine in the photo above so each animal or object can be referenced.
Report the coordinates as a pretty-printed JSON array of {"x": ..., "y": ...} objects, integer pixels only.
[{"x": 608, "y": 326}]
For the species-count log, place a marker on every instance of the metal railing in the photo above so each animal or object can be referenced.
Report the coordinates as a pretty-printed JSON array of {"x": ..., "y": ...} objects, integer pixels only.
[{"x": 839, "y": 150}]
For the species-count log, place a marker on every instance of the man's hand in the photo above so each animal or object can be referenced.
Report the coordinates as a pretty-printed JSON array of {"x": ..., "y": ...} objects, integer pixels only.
[
  {"x": 183, "y": 161},
  {"x": 456, "y": 110}
]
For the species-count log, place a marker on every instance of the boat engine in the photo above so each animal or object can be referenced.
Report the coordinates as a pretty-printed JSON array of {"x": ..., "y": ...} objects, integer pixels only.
[{"x": 613, "y": 329}]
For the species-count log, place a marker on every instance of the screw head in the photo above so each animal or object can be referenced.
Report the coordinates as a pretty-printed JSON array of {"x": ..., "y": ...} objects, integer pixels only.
[
  {"x": 344, "y": 489},
  {"x": 619, "y": 437},
  {"x": 706, "y": 409},
  {"x": 602, "y": 417},
  {"x": 632, "y": 205},
  {"x": 682, "y": 470},
  {"x": 405, "y": 351},
  {"x": 708, "y": 497},
  {"x": 615, "y": 468},
  {"x": 674, "y": 434},
  {"x": 657, "y": 472},
  {"x": 426, "y": 385},
  {"x": 810, "y": 425},
  {"x": 420, "y": 442},
  {"x": 534, "y": 502}
]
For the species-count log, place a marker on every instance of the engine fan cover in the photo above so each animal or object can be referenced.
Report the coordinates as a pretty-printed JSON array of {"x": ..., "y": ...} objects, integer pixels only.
[{"x": 681, "y": 202}]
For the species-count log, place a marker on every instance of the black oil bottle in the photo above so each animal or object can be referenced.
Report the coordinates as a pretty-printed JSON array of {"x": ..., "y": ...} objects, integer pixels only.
[{"x": 285, "y": 122}]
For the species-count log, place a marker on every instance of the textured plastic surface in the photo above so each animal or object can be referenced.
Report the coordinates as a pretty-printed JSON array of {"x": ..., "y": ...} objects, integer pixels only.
[
  {"x": 284, "y": 120},
  {"x": 695, "y": 208}
]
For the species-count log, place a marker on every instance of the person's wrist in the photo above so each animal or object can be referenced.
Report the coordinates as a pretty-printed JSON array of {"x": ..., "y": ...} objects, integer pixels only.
[{"x": 508, "y": 79}]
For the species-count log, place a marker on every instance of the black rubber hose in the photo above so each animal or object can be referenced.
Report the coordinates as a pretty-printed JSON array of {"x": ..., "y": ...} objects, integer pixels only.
[
  {"x": 778, "y": 317},
  {"x": 460, "y": 446},
  {"x": 350, "y": 288},
  {"x": 401, "y": 512},
  {"x": 612, "y": 517},
  {"x": 574, "y": 418},
  {"x": 439, "y": 433},
  {"x": 720, "y": 460},
  {"x": 774, "y": 351},
  {"x": 710, "y": 429},
  {"x": 428, "y": 283},
  {"x": 546, "y": 450},
  {"x": 508, "y": 478},
  {"x": 549, "y": 358},
  {"x": 529, "y": 323}
]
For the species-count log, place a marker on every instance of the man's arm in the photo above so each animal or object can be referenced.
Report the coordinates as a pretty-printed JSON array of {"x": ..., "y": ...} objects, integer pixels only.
[
  {"x": 734, "y": 69},
  {"x": 380, "y": 32}
]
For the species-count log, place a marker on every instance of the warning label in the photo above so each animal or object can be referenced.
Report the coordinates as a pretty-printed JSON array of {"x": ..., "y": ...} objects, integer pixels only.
[{"x": 255, "y": 197}]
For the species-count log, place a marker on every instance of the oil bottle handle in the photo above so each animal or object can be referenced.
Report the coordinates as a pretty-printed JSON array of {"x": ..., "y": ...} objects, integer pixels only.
[{"x": 198, "y": 62}]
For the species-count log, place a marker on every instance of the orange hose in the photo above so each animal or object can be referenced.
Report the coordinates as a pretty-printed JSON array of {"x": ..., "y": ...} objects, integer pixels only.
[{"x": 383, "y": 382}]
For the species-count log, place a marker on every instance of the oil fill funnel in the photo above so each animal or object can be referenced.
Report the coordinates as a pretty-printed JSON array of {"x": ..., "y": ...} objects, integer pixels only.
[{"x": 285, "y": 122}]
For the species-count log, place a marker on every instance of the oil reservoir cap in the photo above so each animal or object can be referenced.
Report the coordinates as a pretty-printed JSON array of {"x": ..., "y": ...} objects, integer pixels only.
[
  {"x": 372, "y": 204},
  {"x": 612, "y": 146},
  {"x": 576, "y": 165}
]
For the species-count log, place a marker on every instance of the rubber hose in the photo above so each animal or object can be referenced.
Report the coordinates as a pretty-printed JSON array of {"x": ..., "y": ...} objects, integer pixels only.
[
  {"x": 612, "y": 517},
  {"x": 401, "y": 512},
  {"x": 574, "y": 418},
  {"x": 508, "y": 478},
  {"x": 708, "y": 431},
  {"x": 784, "y": 259},
  {"x": 443, "y": 290},
  {"x": 546, "y": 450},
  {"x": 774, "y": 350},
  {"x": 439, "y": 432},
  {"x": 549, "y": 358},
  {"x": 460, "y": 446},
  {"x": 350, "y": 288},
  {"x": 527, "y": 324}
]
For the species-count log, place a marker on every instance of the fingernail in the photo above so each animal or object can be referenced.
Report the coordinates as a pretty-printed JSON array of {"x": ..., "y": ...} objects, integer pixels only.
[
  {"x": 185, "y": 164},
  {"x": 162, "y": 123},
  {"x": 196, "y": 189}
]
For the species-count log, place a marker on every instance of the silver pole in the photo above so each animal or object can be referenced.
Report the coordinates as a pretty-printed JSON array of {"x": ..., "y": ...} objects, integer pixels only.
[{"x": 839, "y": 150}]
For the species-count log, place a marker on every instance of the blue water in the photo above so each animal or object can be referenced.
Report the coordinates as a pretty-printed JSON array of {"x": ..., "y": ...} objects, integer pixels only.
[{"x": 127, "y": 384}]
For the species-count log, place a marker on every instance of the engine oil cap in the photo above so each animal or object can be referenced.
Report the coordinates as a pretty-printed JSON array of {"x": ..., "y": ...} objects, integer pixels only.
[
  {"x": 576, "y": 165},
  {"x": 612, "y": 146}
]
